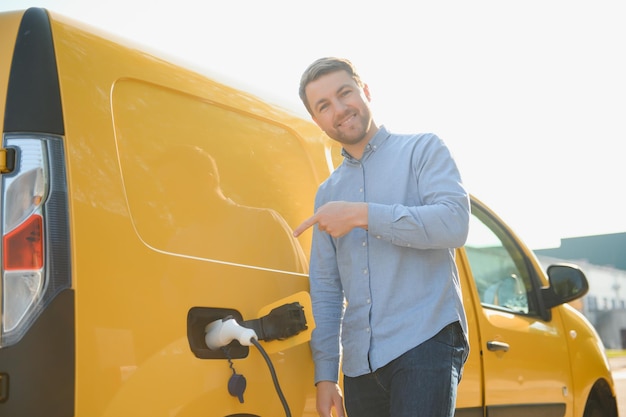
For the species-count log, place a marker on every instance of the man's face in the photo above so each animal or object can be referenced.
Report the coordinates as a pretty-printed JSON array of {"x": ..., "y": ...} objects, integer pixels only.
[{"x": 340, "y": 108}]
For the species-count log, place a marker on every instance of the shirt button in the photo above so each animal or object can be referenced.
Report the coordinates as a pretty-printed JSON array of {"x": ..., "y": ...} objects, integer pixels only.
[
  {"x": 369, "y": 301},
  {"x": 361, "y": 189},
  {"x": 367, "y": 329},
  {"x": 364, "y": 243},
  {"x": 365, "y": 271},
  {"x": 378, "y": 236}
]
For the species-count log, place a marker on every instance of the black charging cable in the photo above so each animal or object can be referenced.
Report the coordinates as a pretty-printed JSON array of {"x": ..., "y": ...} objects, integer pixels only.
[{"x": 274, "y": 377}]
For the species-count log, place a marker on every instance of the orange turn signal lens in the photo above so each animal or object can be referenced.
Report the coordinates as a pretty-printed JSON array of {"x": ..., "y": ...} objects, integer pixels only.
[{"x": 23, "y": 246}]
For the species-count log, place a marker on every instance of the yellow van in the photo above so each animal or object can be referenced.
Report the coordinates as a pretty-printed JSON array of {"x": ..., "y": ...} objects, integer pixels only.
[{"x": 143, "y": 204}]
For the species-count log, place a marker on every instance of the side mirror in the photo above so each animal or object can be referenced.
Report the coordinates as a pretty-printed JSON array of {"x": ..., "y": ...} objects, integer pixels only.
[{"x": 567, "y": 283}]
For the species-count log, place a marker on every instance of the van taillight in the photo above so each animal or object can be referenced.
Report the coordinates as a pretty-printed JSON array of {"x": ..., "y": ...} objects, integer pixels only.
[
  {"x": 23, "y": 247},
  {"x": 35, "y": 236}
]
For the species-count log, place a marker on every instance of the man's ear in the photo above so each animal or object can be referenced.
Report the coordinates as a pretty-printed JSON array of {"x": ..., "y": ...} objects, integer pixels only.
[{"x": 366, "y": 91}]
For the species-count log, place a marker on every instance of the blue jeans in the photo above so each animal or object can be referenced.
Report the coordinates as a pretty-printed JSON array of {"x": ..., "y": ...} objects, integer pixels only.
[{"x": 422, "y": 382}]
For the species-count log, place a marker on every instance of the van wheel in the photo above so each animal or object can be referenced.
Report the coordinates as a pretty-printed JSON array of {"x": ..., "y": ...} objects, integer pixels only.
[
  {"x": 601, "y": 402},
  {"x": 593, "y": 409}
]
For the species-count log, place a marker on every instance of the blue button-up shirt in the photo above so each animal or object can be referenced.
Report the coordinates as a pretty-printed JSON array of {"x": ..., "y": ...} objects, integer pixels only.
[{"x": 378, "y": 293}]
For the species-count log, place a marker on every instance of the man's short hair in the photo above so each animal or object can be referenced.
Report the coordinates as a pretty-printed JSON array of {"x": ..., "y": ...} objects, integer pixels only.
[{"x": 325, "y": 66}]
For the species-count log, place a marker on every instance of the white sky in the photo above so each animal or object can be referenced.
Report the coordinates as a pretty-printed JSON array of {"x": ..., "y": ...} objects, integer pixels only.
[{"x": 530, "y": 96}]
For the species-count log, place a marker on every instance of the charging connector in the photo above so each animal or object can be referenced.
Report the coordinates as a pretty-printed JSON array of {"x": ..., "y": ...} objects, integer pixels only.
[
  {"x": 281, "y": 323},
  {"x": 221, "y": 332}
]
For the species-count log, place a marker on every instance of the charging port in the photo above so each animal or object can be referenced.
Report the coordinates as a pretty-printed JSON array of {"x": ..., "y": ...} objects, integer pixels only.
[
  {"x": 197, "y": 320},
  {"x": 281, "y": 323}
]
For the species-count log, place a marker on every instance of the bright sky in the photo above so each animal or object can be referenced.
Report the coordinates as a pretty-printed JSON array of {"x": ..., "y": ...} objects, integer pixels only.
[{"x": 530, "y": 96}]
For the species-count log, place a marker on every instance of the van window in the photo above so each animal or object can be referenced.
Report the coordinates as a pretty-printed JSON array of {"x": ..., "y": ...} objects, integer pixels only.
[{"x": 498, "y": 266}]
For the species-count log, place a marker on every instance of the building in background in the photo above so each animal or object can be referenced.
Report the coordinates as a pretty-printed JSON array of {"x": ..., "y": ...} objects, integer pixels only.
[
  {"x": 603, "y": 260},
  {"x": 604, "y": 250}
]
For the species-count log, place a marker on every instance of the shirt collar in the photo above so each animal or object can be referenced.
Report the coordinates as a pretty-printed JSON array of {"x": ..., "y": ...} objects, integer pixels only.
[{"x": 376, "y": 141}]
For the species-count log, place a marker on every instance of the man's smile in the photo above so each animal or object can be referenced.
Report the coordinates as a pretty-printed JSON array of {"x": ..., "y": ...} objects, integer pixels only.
[{"x": 347, "y": 121}]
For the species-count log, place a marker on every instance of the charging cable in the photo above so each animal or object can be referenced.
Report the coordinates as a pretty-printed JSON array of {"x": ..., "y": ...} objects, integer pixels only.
[
  {"x": 220, "y": 333},
  {"x": 274, "y": 377}
]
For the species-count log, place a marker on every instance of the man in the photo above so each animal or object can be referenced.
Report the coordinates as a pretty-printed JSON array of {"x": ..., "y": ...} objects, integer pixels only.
[{"x": 384, "y": 285}]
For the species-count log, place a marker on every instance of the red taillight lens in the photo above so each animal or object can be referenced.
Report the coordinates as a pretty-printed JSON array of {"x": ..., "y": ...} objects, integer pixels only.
[{"x": 23, "y": 246}]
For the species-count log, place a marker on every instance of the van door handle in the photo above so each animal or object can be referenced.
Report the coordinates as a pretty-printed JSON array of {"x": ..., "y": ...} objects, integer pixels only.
[{"x": 495, "y": 346}]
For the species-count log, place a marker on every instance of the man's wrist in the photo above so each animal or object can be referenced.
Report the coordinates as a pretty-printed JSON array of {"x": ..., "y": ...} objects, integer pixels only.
[
  {"x": 361, "y": 215},
  {"x": 318, "y": 383}
]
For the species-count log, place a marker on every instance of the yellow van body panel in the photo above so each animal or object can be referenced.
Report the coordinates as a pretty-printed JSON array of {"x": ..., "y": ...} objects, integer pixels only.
[
  {"x": 470, "y": 390},
  {"x": 182, "y": 196},
  {"x": 138, "y": 166},
  {"x": 588, "y": 358},
  {"x": 8, "y": 31}
]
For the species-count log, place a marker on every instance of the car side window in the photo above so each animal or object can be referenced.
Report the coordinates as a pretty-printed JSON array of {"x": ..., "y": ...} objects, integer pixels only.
[{"x": 498, "y": 266}]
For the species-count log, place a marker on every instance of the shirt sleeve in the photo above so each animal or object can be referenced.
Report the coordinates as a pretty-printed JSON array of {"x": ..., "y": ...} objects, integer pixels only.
[
  {"x": 442, "y": 219},
  {"x": 328, "y": 307}
]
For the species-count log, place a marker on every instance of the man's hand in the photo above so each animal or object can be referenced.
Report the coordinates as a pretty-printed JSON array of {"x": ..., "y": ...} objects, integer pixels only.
[
  {"x": 329, "y": 397},
  {"x": 336, "y": 218}
]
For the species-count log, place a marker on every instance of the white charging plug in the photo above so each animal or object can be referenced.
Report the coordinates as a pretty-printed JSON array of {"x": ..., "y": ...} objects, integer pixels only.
[{"x": 223, "y": 331}]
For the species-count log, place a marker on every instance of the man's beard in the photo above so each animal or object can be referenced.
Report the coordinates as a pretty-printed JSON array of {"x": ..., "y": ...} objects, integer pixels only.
[{"x": 357, "y": 132}]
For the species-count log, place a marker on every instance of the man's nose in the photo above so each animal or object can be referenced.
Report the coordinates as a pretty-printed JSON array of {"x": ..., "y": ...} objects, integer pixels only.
[{"x": 339, "y": 106}]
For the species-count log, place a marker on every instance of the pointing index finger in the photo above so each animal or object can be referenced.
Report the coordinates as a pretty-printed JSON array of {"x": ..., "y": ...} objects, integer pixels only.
[{"x": 305, "y": 225}]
